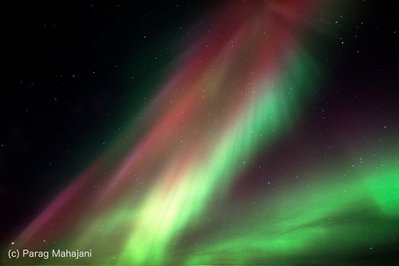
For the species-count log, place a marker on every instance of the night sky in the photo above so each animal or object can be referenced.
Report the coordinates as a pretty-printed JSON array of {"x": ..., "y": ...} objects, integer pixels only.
[
  {"x": 201, "y": 132},
  {"x": 76, "y": 72}
]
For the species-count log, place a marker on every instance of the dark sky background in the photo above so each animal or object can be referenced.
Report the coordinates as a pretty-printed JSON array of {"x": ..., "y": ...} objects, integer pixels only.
[{"x": 76, "y": 70}]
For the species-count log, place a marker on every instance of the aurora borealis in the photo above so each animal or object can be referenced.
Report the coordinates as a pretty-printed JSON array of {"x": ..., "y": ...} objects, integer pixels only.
[{"x": 232, "y": 162}]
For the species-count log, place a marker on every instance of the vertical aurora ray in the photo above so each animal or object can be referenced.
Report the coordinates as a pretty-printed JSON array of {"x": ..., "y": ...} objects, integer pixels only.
[
  {"x": 166, "y": 213},
  {"x": 264, "y": 111},
  {"x": 239, "y": 93}
]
